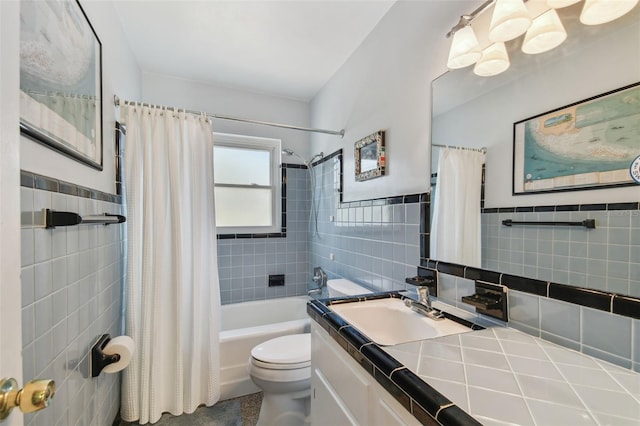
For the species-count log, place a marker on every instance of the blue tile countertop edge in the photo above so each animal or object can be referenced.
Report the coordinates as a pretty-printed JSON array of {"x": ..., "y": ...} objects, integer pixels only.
[{"x": 424, "y": 402}]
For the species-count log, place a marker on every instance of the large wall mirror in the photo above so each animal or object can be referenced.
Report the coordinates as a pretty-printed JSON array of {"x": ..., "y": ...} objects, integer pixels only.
[{"x": 474, "y": 111}]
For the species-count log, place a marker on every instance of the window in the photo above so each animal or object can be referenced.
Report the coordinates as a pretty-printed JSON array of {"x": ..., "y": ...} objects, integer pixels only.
[{"x": 247, "y": 184}]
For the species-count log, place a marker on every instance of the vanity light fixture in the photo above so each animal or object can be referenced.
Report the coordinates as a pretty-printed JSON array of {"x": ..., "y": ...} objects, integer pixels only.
[
  {"x": 510, "y": 19},
  {"x": 596, "y": 12},
  {"x": 494, "y": 61},
  {"x": 465, "y": 49},
  {"x": 545, "y": 33}
]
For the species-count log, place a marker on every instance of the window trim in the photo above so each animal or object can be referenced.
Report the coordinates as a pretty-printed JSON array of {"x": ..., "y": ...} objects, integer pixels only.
[{"x": 263, "y": 144}]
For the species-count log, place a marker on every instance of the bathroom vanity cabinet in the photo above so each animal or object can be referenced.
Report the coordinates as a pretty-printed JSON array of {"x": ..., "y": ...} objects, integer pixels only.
[
  {"x": 342, "y": 393},
  {"x": 495, "y": 375}
]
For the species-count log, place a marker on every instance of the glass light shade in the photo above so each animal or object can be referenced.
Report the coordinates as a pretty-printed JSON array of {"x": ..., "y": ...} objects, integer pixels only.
[
  {"x": 545, "y": 33},
  {"x": 494, "y": 61},
  {"x": 464, "y": 49},
  {"x": 559, "y": 4},
  {"x": 510, "y": 19},
  {"x": 596, "y": 12}
]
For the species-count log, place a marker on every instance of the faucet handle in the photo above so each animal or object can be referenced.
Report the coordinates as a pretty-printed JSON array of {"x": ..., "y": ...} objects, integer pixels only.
[{"x": 423, "y": 292}]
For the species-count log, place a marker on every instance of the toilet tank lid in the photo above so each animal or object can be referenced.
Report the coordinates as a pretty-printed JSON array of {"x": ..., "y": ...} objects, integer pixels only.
[{"x": 291, "y": 349}]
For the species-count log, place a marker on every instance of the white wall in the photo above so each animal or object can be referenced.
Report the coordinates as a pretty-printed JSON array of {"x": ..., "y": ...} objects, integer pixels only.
[
  {"x": 10, "y": 246},
  {"x": 120, "y": 75},
  {"x": 177, "y": 92},
  {"x": 609, "y": 63},
  {"x": 386, "y": 84}
]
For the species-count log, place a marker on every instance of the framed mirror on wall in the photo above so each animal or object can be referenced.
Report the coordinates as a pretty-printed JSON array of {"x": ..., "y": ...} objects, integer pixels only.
[
  {"x": 474, "y": 111},
  {"x": 370, "y": 156}
]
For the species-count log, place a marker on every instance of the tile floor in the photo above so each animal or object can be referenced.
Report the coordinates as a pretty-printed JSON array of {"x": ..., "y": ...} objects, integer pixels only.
[{"x": 241, "y": 411}]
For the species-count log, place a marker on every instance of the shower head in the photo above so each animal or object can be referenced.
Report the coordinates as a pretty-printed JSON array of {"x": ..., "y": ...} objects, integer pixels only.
[
  {"x": 318, "y": 156},
  {"x": 290, "y": 152}
]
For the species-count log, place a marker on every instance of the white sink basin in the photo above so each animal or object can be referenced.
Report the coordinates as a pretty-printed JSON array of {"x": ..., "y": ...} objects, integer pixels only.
[{"x": 389, "y": 322}]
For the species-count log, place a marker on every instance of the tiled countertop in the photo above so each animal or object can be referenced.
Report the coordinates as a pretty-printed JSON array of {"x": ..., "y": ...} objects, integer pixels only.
[
  {"x": 502, "y": 375},
  {"x": 495, "y": 376}
]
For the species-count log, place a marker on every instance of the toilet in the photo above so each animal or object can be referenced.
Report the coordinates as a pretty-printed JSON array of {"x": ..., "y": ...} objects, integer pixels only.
[{"x": 281, "y": 367}]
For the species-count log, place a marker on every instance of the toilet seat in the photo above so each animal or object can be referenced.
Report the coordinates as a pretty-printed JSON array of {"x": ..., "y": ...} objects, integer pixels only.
[
  {"x": 269, "y": 366},
  {"x": 283, "y": 353}
]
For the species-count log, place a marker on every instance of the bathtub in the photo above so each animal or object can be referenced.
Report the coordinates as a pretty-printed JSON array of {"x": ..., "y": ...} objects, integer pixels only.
[{"x": 245, "y": 325}]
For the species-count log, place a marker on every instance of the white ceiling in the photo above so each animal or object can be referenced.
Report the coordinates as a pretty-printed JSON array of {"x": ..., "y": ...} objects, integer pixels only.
[{"x": 284, "y": 48}]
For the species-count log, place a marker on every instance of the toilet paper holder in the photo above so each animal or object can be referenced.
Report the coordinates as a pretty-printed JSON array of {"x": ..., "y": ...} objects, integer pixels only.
[{"x": 99, "y": 360}]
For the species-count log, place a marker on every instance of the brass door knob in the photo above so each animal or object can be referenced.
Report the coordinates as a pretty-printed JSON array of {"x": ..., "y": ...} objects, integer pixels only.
[{"x": 35, "y": 396}]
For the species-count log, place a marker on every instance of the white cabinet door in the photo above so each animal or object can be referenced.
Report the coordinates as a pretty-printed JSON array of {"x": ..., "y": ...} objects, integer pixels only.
[
  {"x": 343, "y": 393},
  {"x": 351, "y": 383},
  {"x": 326, "y": 406},
  {"x": 386, "y": 415},
  {"x": 388, "y": 412}
]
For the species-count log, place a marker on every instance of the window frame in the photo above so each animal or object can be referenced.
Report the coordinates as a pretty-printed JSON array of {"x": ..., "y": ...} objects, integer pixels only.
[{"x": 273, "y": 146}]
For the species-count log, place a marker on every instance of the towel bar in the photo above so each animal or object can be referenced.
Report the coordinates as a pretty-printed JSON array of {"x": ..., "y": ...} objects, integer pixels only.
[
  {"x": 54, "y": 218},
  {"x": 587, "y": 223}
]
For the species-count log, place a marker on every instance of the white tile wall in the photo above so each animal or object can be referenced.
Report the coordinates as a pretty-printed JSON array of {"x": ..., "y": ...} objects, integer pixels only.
[
  {"x": 605, "y": 258},
  {"x": 377, "y": 245},
  {"x": 71, "y": 294}
]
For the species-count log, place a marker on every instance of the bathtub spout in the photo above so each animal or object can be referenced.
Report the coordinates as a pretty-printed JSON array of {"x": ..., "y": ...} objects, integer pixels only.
[{"x": 314, "y": 292}]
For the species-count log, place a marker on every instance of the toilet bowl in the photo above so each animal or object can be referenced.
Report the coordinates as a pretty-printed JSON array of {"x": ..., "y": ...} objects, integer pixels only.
[{"x": 281, "y": 367}]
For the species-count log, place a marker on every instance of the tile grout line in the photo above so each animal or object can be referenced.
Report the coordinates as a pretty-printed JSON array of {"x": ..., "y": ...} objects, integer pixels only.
[
  {"x": 584, "y": 404},
  {"x": 515, "y": 377}
]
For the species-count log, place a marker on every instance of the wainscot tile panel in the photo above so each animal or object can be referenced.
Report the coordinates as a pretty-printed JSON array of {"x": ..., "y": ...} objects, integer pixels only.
[
  {"x": 605, "y": 258},
  {"x": 71, "y": 294},
  {"x": 373, "y": 242},
  {"x": 244, "y": 264},
  {"x": 596, "y": 332},
  {"x": 603, "y": 261}
]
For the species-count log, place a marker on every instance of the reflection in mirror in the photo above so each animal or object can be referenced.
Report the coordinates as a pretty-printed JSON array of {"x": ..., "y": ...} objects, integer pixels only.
[
  {"x": 474, "y": 111},
  {"x": 455, "y": 209},
  {"x": 369, "y": 156}
]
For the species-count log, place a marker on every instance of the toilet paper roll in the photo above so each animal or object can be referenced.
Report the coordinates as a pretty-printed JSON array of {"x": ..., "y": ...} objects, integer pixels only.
[{"x": 123, "y": 346}]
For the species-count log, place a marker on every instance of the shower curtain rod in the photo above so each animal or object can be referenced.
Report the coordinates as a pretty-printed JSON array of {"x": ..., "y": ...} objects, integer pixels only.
[
  {"x": 340, "y": 133},
  {"x": 483, "y": 149}
]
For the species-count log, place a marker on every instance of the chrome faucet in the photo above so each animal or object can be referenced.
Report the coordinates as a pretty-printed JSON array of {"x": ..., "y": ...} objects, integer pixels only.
[
  {"x": 319, "y": 279},
  {"x": 423, "y": 296},
  {"x": 423, "y": 304}
]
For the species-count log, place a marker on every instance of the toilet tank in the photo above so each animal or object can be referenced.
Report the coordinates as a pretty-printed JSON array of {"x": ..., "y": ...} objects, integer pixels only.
[{"x": 341, "y": 287}]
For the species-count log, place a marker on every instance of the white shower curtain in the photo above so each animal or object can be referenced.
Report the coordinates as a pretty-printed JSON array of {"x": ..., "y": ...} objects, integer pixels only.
[
  {"x": 455, "y": 225},
  {"x": 172, "y": 291}
]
